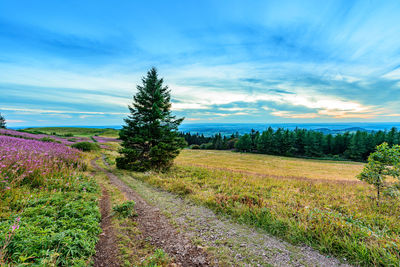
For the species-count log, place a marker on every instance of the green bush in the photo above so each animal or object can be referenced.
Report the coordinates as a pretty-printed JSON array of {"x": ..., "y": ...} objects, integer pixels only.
[
  {"x": 207, "y": 146},
  {"x": 86, "y": 146},
  {"x": 195, "y": 147},
  {"x": 125, "y": 209}
]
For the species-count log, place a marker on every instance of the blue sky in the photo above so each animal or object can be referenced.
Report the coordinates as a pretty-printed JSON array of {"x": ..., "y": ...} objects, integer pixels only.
[{"x": 78, "y": 62}]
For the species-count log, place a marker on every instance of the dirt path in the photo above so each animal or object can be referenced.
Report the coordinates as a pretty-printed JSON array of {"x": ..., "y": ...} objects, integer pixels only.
[
  {"x": 106, "y": 249},
  {"x": 157, "y": 229}
]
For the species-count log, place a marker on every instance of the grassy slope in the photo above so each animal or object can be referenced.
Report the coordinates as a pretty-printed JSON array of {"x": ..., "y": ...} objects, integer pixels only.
[
  {"x": 333, "y": 213},
  {"x": 270, "y": 165},
  {"x": 76, "y": 131}
]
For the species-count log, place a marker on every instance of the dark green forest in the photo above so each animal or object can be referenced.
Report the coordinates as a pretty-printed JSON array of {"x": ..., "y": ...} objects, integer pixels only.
[{"x": 299, "y": 143}]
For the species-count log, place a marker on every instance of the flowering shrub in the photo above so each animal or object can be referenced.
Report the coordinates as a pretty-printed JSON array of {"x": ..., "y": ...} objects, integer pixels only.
[
  {"x": 35, "y": 162},
  {"x": 44, "y": 137},
  {"x": 48, "y": 210}
]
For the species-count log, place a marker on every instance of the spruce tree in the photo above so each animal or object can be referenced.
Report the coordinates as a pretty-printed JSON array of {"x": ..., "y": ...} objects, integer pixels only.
[
  {"x": 244, "y": 143},
  {"x": 150, "y": 138},
  {"x": 2, "y": 122}
]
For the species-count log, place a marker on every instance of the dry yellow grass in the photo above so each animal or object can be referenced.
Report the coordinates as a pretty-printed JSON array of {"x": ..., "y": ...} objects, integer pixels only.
[
  {"x": 270, "y": 165},
  {"x": 321, "y": 203}
]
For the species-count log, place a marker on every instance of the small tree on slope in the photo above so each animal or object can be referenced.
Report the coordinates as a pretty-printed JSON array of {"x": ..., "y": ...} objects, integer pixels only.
[
  {"x": 150, "y": 137},
  {"x": 383, "y": 163},
  {"x": 2, "y": 122}
]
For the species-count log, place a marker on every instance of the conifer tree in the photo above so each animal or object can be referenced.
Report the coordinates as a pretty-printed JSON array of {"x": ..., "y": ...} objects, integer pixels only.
[
  {"x": 265, "y": 141},
  {"x": 2, "y": 122},
  {"x": 150, "y": 138},
  {"x": 244, "y": 143}
]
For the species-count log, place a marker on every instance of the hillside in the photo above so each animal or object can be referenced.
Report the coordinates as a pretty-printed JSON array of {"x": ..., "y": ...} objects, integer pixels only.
[{"x": 75, "y": 131}]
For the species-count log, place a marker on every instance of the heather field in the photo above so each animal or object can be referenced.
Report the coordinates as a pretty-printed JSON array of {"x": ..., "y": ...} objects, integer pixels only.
[
  {"x": 48, "y": 210},
  {"x": 314, "y": 202}
]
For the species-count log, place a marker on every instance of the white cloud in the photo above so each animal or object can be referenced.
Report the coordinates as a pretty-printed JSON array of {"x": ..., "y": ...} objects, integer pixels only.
[
  {"x": 14, "y": 121},
  {"x": 52, "y": 112},
  {"x": 288, "y": 114}
]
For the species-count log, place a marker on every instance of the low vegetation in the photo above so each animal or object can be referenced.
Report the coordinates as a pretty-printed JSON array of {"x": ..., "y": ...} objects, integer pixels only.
[
  {"x": 49, "y": 213},
  {"x": 125, "y": 209},
  {"x": 248, "y": 163},
  {"x": 74, "y": 131},
  {"x": 334, "y": 215},
  {"x": 86, "y": 146}
]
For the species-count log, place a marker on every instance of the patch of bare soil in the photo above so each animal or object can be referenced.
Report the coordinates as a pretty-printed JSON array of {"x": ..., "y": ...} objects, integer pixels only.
[
  {"x": 156, "y": 228},
  {"x": 106, "y": 249}
]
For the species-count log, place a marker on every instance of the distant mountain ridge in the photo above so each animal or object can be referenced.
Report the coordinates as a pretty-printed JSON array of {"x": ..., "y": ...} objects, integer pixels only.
[
  {"x": 337, "y": 131},
  {"x": 209, "y": 129}
]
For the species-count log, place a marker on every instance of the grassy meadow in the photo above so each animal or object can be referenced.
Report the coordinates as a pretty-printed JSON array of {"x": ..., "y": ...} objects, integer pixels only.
[
  {"x": 319, "y": 203},
  {"x": 271, "y": 165},
  {"x": 75, "y": 131}
]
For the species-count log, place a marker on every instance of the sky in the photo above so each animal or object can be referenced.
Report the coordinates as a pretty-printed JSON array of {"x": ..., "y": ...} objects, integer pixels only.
[{"x": 78, "y": 62}]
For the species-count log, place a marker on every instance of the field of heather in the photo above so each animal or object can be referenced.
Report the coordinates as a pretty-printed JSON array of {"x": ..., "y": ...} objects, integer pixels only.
[{"x": 48, "y": 208}]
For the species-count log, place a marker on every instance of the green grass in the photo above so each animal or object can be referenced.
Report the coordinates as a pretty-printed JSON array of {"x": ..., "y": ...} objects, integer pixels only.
[
  {"x": 86, "y": 146},
  {"x": 58, "y": 227},
  {"x": 75, "y": 131},
  {"x": 277, "y": 166},
  {"x": 322, "y": 206}
]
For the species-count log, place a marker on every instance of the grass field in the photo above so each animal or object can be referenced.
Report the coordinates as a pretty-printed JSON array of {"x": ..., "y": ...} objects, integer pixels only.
[
  {"x": 76, "y": 131},
  {"x": 270, "y": 165},
  {"x": 319, "y": 203}
]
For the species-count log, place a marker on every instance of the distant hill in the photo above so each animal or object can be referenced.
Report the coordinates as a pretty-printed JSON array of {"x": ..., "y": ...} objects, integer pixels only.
[
  {"x": 340, "y": 131},
  {"x": 209, "y": 129}
]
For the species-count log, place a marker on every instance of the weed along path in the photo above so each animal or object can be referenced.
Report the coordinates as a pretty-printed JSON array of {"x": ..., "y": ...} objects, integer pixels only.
[
  {"x": 228, "y": 243},
  {"x": 155, "y": 227}
]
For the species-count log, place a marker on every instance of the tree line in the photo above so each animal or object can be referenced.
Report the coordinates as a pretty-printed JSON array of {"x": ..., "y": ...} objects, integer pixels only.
[
  {"x": 217, "y": 141},
  {"x": 299, "y": 142}
]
